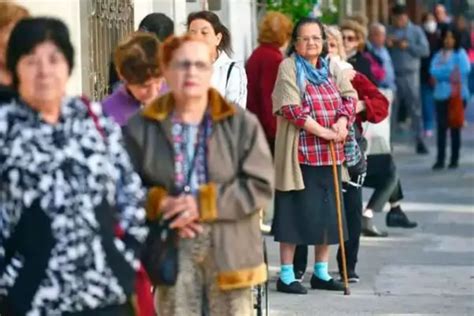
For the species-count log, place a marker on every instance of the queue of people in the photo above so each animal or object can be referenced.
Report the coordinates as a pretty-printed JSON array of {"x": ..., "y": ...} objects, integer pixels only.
[{"x": 191, "y": 145}]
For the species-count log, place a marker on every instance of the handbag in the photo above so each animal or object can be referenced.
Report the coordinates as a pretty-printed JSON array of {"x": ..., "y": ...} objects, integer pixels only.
[{"x": 455, "y": 107}]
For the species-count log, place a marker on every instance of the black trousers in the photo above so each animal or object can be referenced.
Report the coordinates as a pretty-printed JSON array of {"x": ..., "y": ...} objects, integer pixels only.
[
  {"x": 382, "y": 176},
  {"x": 353, "y": 211},
  {"x": 442, "y": 127}
]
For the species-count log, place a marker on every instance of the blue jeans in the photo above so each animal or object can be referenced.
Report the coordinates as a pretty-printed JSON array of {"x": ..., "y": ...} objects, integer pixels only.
[{"x": 428, "y": 108}]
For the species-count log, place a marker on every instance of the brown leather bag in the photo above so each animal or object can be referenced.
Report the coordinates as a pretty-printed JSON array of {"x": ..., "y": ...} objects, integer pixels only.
[{"x": 455, "y": 106}]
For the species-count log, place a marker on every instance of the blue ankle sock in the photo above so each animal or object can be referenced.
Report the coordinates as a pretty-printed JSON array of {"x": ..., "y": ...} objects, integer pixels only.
[
  {"x": 287, "y": 275},
  {"x": 321, "y": 271}
]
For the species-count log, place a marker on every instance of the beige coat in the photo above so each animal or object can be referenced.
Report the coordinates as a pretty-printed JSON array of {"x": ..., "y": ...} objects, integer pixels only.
[
  {"x": 241, "y": 181},
  {"x": 286, "y": 92}
]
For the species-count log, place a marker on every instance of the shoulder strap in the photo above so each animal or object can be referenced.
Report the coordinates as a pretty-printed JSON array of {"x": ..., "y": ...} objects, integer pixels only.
[
  {"x": 94, "y": 117},
  {"x": 228, "y": 72}
]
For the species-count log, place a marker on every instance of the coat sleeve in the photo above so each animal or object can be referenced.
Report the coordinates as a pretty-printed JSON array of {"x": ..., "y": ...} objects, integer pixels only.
[
  {"x": 439, "y": 70},
  {"x": 252, "y": 187},
  {"x": 130, "y": 195},
  {"x": 376, "y": 104},
  {"x": 11, "y": 207},
  {"x": 236, "y": 89},
  {"x": 418, "y": 45},
  {"x": 463, "y": 61},
  {"x": 266, "y": 85}
]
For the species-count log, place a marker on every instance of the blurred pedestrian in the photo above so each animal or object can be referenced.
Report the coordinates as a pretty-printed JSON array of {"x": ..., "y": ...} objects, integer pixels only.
[
  {"x": 67, "y": 184},
  {"x": 461, "y": 25},
  {"x": 376, "y": 45},
  {"x": 407, "y": 44},
  {"x": 354, "y": 36},
  {"x": 450, "y": 68},
  {"x": 157, "y": 24},
  {"x": 372, "y": 106},
  {"x": 136, "y": 60},
  {"x": 443, "y": 20},
  {"x": 311, "y": 113},
  {"x": 10, "y": 14},
  {"x": 208, "y": 169},
  {"x": 426, "y": 82},
  {"x": 262, "y": 69},
  {"x": 228, "y": 75}
]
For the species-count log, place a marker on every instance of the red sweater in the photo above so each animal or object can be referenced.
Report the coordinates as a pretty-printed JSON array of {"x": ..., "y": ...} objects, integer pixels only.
[
  {"x": 262, "y": 70},
  {"x": 376, "y": 104}
]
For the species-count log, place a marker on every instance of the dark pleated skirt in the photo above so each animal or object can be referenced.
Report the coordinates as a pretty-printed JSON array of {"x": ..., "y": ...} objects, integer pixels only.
[{"x": 309, "y": 216}]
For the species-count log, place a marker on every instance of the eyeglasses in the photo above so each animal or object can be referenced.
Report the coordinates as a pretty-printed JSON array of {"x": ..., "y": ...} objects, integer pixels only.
[
  {"x": 185, "y": 65},
  {"x": 349, "y": 38},
  {"x": 307, "y": 39}
]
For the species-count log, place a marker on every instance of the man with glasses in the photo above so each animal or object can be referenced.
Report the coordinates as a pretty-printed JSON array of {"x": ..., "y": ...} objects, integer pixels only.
[{"x": 407, "y": 44}]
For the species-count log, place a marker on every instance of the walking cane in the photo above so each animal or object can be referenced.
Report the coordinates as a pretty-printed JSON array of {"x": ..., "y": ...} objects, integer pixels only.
[{"x": 335, "y": 175}]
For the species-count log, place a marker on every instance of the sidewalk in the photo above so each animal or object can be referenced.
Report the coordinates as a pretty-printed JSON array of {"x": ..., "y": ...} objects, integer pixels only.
[{"x": 425, "y": 271}]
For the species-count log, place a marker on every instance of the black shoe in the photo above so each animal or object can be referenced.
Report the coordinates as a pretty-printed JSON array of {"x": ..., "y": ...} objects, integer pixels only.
[
  {"x": 421, "y": 148},
  {"x": 453, "y": 165},
  {"x": 397, "y": 218},
  {"x": 370, "y": 230},
  {"x": 294, "y": 287},
  {"x": 438, "y": 166},
  {"x": 331, "y": 285},
  {"x": 352, "y": 277},
  {"x": 299, "y": 276}
]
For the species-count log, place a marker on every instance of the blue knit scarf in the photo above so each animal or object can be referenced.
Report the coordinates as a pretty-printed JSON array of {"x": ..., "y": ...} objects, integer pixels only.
[{"x": 307, "y": 72}]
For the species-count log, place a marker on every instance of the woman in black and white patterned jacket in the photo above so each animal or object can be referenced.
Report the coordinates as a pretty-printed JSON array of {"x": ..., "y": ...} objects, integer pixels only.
[{"x": 71, "y": 216}]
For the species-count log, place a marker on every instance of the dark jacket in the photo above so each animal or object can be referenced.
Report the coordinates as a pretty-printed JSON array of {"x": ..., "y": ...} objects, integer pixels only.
[
  {"x": 362, "y": 65},
  {"x": 240, "y": 173}
]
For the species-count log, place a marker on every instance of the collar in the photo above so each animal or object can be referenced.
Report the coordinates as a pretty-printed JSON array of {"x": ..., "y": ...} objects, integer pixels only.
[
  {"x": 218, "y": 108},
  {"x": 222, "y": 59}
]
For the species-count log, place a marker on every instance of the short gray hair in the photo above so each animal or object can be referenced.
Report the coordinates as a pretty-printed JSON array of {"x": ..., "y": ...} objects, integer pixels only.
[{"x": 377, "y": 26}]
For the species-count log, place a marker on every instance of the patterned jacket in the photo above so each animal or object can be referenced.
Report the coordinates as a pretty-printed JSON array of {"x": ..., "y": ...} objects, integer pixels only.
[{"x": 64, "y": 188}]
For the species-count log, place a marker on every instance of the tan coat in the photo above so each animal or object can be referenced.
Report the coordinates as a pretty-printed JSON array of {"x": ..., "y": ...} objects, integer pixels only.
[
  {"x": 286, "y": 92},
  {"x": 241, "y": 181}
]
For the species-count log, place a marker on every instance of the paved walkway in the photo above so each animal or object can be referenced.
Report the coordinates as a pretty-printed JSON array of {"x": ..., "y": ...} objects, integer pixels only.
[{"x": 425, "y": 271}]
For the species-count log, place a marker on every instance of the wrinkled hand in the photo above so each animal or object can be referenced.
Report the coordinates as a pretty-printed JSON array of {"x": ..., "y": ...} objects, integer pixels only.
[
  {"x": 183, "y": 209},
  {"x": 340, "y": 128},
  {"x": 349, "y": 73},
  {"x": 191, "y": 230},
  {"x": 327, "y": 133}
]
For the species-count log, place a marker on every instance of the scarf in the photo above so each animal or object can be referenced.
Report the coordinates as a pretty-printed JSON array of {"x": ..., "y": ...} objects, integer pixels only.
[{"x": 305, "y": 72}]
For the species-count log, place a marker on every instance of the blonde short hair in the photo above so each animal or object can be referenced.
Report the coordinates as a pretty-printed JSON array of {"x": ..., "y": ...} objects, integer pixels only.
[{"x": 334, "y": 32}]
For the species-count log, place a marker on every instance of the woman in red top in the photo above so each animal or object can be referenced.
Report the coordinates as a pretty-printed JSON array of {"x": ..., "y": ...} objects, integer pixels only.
[{"x": 262, "y": 69}]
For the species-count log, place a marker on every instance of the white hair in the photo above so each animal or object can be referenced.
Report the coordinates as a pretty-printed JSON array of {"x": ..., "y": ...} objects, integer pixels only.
[{"x": 376, "y": 26}]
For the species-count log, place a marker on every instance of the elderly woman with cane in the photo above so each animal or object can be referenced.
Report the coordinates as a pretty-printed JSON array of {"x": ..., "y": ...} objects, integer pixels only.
[
  {"x": 312, "y": 112},
  {"x": 209, "y": 170}
]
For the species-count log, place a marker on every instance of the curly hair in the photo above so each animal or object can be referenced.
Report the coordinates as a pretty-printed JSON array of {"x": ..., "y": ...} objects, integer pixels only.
[
  {"x": 136, "y": 57},
  {"x": 275, "y": 28},
  {"x": 358, "y": 29}
]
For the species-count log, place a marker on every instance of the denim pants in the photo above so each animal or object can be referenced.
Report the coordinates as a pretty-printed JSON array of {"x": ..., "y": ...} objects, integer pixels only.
[{"x": 428, "y": 107}]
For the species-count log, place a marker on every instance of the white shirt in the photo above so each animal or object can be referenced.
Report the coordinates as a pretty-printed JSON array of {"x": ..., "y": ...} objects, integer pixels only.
[{"x": 235, "y": 89}]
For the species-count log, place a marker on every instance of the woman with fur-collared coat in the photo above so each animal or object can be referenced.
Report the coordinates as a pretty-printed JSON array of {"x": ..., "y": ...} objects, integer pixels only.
[{"x": 193, "y": 140}]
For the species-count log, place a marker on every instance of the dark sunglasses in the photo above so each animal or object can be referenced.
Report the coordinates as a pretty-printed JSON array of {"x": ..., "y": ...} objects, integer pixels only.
[{"x": 349, "y": 38}]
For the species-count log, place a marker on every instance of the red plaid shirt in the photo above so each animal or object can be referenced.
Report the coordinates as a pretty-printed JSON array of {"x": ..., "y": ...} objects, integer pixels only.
[{"x": 324, "y": 104}]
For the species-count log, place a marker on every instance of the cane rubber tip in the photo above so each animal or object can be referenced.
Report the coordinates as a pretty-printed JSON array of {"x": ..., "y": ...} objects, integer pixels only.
[{"x": 347, "y": 291}]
